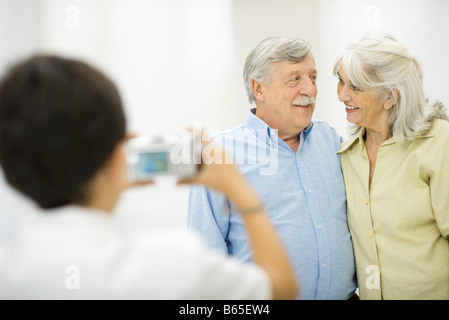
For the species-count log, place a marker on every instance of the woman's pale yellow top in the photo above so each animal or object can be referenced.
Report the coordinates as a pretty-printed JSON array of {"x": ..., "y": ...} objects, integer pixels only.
[{"x": 400, "y": 225}]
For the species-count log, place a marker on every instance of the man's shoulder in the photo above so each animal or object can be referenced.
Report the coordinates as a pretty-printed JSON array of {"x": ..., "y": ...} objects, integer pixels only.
[
  {"x": 231, "y": 132},
  {"x": 320, "y": 126}
]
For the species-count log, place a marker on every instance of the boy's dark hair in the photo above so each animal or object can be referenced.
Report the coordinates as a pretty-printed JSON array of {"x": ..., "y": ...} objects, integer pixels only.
[{"x": 60, "y": 119}]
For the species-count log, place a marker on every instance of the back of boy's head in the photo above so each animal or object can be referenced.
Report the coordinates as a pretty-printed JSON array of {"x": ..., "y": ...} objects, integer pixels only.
[{"x": 60, "y": 119}]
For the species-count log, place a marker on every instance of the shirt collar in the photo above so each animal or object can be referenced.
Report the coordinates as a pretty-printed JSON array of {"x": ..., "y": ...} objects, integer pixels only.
[
  {"x": 345, "y": 145},
  {"x": 256, "y": 124},
  {"x": 359, "y": 137}
]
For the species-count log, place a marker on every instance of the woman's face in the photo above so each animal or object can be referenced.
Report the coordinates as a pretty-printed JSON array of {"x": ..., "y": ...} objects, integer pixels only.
[{"x": 363, "y": 106}]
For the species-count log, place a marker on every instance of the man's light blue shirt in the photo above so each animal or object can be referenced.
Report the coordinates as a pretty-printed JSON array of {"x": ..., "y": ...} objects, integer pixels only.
[{"x": 303, "y": 194}]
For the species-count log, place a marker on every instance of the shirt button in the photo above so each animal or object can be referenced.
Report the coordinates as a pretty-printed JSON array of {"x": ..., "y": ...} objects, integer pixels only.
[
  {"x": 310, "y": 190},
  {"x": 323, "y": 265},
  {"x": 319, "y": 226},
  {"x": 366, "y": 201},
  {"x": 369, "y": 234}
]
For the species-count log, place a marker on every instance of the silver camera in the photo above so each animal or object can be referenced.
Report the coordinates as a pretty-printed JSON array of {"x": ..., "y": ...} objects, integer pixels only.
[{"x": 177, "y": 155}]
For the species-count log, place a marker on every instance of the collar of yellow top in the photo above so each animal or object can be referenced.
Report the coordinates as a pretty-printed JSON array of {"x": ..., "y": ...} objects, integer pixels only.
[{"x": 359, "y": 137}]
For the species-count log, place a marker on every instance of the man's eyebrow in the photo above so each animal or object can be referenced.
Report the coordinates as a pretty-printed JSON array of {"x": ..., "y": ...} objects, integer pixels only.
[{"x": 299, "y": 72}]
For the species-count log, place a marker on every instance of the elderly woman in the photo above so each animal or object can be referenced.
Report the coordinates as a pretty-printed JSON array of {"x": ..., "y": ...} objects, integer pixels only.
[{"x": 396, "y": 170}]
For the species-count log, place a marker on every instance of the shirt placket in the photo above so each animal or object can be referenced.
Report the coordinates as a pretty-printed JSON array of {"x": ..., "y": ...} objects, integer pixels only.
[
  {"x": 323, "y": 253},
  {"x": 372, "y": 270}
]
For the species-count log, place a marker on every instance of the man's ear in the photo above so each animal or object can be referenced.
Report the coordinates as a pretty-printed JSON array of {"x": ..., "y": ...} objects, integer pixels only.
[
  {"x": 256, "y": 86},
  {"x": 392, "y": 98}
]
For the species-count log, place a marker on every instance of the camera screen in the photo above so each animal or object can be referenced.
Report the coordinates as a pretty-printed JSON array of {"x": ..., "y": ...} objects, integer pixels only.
[{"x": 154, "y": 162}]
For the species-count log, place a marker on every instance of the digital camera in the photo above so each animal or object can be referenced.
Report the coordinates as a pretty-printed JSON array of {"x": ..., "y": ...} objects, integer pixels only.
[{"x": 177, "y": 155}]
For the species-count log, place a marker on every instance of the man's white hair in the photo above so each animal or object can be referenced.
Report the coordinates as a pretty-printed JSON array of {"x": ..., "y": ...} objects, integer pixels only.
[
  {"x": 272, "y": 49},
  {"x": 377, "y": 60}
]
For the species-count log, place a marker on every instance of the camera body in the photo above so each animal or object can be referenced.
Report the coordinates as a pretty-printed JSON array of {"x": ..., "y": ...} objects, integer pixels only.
[{"x": 176, "y": 155}]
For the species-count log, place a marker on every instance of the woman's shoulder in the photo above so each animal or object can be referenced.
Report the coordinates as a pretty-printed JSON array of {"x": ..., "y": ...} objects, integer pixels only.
[
  {"x": 440, "y": 127},
  {"x": 437, "y": 136}
]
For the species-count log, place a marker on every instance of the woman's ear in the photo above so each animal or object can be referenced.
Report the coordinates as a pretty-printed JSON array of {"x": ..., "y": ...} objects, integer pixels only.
[
  {"x": 256, "y": 86},
  {"x": 392, "y": 98}
]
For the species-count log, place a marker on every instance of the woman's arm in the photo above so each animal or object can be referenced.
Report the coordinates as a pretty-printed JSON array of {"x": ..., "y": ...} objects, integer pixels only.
[{"x": 269, "y": 252}]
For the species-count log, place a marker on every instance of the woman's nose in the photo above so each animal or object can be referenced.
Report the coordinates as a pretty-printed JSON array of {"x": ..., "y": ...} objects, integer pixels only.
[{"x": 343, "y": 94}]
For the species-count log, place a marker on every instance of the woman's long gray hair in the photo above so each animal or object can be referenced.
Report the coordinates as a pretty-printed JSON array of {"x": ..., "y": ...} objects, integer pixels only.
[{"x": 379, "y": 61}]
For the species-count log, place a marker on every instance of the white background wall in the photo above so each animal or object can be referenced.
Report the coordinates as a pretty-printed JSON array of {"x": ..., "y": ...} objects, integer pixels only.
[{"x": 178, "y": 62}]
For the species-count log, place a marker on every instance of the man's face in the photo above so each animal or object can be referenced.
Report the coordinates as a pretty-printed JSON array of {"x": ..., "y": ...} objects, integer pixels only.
[{"x": 286, "y": 104}]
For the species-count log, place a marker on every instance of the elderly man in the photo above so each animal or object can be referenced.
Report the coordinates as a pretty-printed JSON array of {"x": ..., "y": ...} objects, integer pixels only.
[{"x": 293, "y": 164}]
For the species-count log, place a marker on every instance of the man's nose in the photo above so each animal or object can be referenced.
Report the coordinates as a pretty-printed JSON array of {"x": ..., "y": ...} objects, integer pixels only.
[{"x": 308, "y": 87}]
